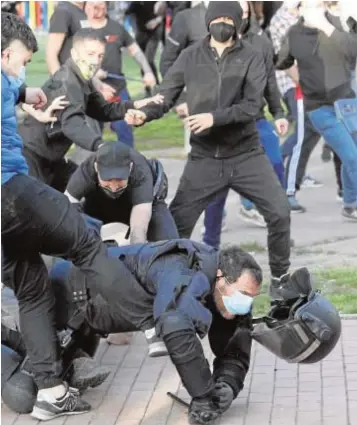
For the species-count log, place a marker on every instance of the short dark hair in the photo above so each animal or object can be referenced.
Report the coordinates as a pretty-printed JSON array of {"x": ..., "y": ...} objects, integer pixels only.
[
  {"x": 233, "y": 261},
  {"x": 14, "y": 28},
  {"x": 88, "y": 34}
]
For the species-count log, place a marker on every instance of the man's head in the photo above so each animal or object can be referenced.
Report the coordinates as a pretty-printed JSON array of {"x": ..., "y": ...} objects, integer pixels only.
[
  {"x": 96, "y": 10},
  {"x": 238, "y": 281},
  {"x": 88, "y": 51},
  {"x": 18, "y": 43},
  {"x": 113, "y": 166},
  {"x": 223, "y": 20}
]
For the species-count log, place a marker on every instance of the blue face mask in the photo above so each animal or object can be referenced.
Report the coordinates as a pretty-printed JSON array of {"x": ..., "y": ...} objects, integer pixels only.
[
  {"x": 20, "y": 79},
  {"x": 238, "y": 303}
]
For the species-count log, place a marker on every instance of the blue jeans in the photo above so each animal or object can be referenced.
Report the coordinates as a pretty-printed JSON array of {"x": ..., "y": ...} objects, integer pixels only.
[
  {"x": 215, "y": 210},
  {"x": 344, "y": 144},
  {"x": 121, "y": 128}
]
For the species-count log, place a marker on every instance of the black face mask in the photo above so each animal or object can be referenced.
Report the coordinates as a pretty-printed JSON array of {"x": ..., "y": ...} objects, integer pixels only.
[
  {"x": 222, "y": 31},
  {"x": 113, "y": 195},
  {"x": 244, "y": 26}
]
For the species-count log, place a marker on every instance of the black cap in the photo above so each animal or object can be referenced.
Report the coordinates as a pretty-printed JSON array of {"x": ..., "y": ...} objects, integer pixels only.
[
  {"x": 224, "y": 9},
  {"x": 113, "y": 161}
]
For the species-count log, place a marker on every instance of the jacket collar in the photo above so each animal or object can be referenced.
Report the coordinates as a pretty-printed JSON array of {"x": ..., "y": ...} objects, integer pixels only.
[{"x": 70, "y": 63}]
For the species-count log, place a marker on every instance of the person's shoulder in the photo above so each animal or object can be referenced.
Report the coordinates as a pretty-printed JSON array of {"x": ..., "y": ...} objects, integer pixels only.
[
  {"x": 114, "y": 26},
  {"x": 87, "y": 166}
]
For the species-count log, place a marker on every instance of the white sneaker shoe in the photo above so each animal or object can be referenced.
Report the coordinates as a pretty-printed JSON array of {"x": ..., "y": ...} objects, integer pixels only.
[{"x": 252, "y": 216}]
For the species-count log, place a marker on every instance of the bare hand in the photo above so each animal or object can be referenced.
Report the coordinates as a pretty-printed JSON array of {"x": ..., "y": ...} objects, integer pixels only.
[
  {"x": 182, "y": 110},
  {"x": 153, "y": 23},
  {"x": 107, "y": 91},
  {"x": 135, "y": 117},
  {"x": 149, "y": 79},
  {"x": 101, "y": 74},
  {"x": 282, "y": 126},
  {"x": 36, "y": 97},
  {"x": 314, "y": 13},
  {"x": 46, "y": 116},
  {"x": 200, "y": 122},
  {"x": 157, "y": 99}
]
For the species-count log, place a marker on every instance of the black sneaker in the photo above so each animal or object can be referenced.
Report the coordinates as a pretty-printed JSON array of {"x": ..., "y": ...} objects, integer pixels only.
[
  {"x": 70, "y": 404},
  {"x": 157, "y": 347},
  {"x": 350, "y": 213},
  {"x": 87, "y": 373}
]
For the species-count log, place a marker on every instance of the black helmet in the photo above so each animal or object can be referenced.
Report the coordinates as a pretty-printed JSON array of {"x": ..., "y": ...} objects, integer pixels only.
[
  {"x": 305, "y": 330},
  {"x": 18, "y": 389}
]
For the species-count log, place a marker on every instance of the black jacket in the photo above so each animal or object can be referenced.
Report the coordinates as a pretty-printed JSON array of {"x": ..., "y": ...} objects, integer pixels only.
[
  {"x": 187, "y": 28},
  {"x": 230, "y": 340},
  {"x": 230, "y": 87},
  {"x": 324, "y": 62},
  {"x": 52, "y": 141},
  {"x": 256, "y": 37}
]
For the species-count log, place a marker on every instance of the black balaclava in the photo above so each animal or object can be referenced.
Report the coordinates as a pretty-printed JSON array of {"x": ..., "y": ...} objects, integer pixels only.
[{"x": 219, "y": 9}]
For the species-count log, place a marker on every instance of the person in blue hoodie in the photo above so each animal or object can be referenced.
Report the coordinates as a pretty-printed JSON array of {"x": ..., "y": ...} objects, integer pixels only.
[{"x": 36, "y": 219}]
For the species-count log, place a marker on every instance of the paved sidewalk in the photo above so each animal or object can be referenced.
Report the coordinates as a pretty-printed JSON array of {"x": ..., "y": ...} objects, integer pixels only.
[{"x": 275, "y": 392}]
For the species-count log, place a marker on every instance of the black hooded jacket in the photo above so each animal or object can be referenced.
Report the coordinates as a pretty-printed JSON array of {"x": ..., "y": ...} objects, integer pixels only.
[
  {"x": 256, "y": 37},
  {"x": 188, "y": 27},
  {"x": 52, "y": 141}
]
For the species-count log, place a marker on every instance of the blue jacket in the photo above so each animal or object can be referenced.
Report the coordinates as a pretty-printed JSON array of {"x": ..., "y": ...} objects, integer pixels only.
[{"x": 12, "y": 159}]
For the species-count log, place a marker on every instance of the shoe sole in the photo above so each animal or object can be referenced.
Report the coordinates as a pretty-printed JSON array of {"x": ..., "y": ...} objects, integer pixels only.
[
  {"x": 89, "y": 381},
  {"x": 297, "y": 211},
  {"x": 252, "y": 221},
  {"x": 156, "y": 349},
  {"x": 43, "y": 415}
]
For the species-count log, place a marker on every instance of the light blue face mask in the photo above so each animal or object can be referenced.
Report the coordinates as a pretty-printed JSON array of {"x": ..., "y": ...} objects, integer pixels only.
[
  {"x": 20, "y": 79},
  {"x": 237, "y": 303}
]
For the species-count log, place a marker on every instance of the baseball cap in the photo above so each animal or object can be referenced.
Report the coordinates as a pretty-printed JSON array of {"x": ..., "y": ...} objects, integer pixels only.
[{"x": 113, "y": 161}]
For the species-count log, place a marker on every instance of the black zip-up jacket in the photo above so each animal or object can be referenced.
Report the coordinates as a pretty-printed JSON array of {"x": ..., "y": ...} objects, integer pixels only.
[
  {"x": 189, "y": 27},
  {"x": 231, "y": 88},
  {"x": 52, "y": 141},
  {"x": 256, "y": 37},
  {"x": 230, "y": 340},
  {"x": 324, "y": 63}
]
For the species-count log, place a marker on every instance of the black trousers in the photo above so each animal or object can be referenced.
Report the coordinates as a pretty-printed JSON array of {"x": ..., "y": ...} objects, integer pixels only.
[
  {"x": 36, "y": 218},
  {"x": 54, "y": 173},
  {"x": 251, "y": 175},
  {"x": 148, "y": 42},
  {"x": 161, "y": 227}
]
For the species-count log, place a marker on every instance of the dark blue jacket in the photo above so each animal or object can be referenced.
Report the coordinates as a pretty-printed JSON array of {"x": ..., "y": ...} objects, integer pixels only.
[{"x": 12, "y": 160}]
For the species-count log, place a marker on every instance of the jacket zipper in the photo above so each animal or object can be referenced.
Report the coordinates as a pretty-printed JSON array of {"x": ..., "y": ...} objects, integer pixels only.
[
  {"x": 219, "y": 95},
  {"x": 220, "y": 72}
]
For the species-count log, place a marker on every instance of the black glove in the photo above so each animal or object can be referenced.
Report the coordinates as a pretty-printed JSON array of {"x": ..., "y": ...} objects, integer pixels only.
[
  {"x": 225, "y": 396},
  {"x": 203, "y": 410}
]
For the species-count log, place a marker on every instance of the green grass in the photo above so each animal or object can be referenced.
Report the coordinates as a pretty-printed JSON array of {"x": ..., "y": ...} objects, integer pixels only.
[
  {"x": 339, "y": 285},
  {"x": 161, "y": 134}
]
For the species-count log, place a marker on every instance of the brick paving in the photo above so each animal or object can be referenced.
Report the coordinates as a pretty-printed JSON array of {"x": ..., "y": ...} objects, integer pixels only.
[{"x": 275, "y": 392}]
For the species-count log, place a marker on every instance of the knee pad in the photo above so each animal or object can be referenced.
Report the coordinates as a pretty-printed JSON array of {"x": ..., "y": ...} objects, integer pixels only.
[{"x": 19, "y": 393}]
